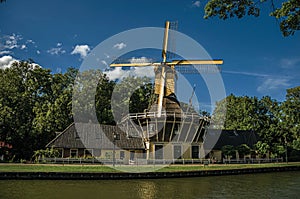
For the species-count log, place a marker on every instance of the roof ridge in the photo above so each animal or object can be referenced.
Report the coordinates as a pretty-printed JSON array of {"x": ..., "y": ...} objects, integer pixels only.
[{"x": 72, "y": 124}]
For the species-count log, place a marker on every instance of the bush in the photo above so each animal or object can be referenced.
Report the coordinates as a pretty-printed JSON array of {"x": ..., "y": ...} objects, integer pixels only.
[{"x": 45, "y": 153}]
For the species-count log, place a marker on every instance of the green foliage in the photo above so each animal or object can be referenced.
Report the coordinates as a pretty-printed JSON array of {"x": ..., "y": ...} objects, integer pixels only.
[
  {"x": 34, "y": 103},
  {"x": 261, "y": 148},
  {"x": 248, "y": 113},
  {"x": 228, "y": 150},
  {"x": 134, "y": 93},
  {"x": 296, "y": 144},
  {"x": 243, "y": 150},
  {"x": 276, "y": 123},
  {"x": 288, "y": 13},
  {"x": 22, "y": 87},
  {"x": 45, "y": 153},
  {"x": 290, "y": 118},
  {"x": 244, "y": 113},
  {"x": 228, "y": 8}
]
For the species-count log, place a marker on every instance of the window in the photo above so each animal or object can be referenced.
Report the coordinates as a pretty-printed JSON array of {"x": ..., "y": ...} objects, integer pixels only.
[
  {"x": 97, "y": 152},
  {"x": 159, "y": 154},
  {"x": 73, "y": 153},
  {"x": 88, "y": 152},
  {"x": 122, "y": 155},
  {"x": 131, "y": 155},
  {"x": 195, "y": 152}
]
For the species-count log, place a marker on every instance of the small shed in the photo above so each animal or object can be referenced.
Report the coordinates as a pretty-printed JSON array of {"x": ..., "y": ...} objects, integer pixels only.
[
  {"x": 215, "y": 139},
  {"x": 95, "y": 140}
]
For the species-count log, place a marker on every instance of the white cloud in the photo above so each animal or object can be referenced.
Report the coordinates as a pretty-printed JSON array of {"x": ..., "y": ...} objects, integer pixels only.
[
  {"x": 82, "y": 50},
  {"x": 143, "y": 71},
  {"x": 120, "y": 46},
  {"x": 271, "y": 84},
  {"x": 116, "y": 73},
  {"x": 12, "y": 41},
  {"x": 119, "y": 73},
  {"x": 289, "y": 63},
  {"x": 56, "y": 50},
  {"x": 245, "y": 73},
  {"x": 197, "y": 4},
  {"x": 6, "y": 61},
  {"x": 5, "y": 52},
  {"x": 139, "y": 60},
  {"x": 30, "y": 41},
  {"x": 9, "y": 42}
]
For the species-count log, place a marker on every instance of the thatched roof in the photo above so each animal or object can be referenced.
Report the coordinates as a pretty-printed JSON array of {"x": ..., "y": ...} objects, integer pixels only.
[
  {"x": 90, "y": 135},
  {"x": 230, "y": 137}
]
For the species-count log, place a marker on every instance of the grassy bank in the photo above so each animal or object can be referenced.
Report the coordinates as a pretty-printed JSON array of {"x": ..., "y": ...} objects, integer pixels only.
[{"x": 99, "y": 168}]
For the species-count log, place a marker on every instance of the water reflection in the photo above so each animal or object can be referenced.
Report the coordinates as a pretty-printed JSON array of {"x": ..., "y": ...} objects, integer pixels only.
[
  {"x": 147, "y": 189},
  {"x": 271, "y": 185}
]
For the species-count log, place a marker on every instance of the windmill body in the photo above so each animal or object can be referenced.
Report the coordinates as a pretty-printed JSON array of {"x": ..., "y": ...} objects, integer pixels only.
[{"x": 165, "y": 123}]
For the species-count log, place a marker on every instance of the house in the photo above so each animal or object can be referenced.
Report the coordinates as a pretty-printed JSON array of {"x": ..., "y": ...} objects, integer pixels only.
[
  {"x": 97, "y": 140},
  {"x": 5, "y": 150},
  {"x": 215, "y": 139},
  {"x": 94, "y": 140}
]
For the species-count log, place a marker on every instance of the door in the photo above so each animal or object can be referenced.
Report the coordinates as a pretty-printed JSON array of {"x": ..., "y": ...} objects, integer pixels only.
[
  {"x": 159, "y": 154},
  {"x": 177, "y": 152},
  {"x": 195, "y": 152},
  {"x": 132, "y": 155}
]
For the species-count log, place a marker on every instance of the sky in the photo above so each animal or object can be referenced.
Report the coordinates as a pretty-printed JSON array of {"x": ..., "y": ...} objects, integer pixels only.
[{"x": 258, "y": 60}]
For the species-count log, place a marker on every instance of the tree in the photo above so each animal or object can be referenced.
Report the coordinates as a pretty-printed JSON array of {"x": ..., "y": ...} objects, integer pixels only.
[
  {"x": 45, "y": 153},
  {"x": 23, "y": 85},
  {"x": 103, "y": 96},
  {"x": 243, "y": 150},
  {"x": 228, "y": 151},
  {"x": 290, "y": 118},
  {"x": 54, "y": 112},
  {"x": 278, "y": 150},
  {"x": 288, "y": 13},
  {"x": 34, "y": 104},
  {"x": 132, "y": 95},
  {"x": 249, "y": 113},
  {"x": 261, "y": 148}
]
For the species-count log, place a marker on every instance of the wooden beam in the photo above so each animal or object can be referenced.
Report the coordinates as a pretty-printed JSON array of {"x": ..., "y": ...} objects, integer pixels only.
[
  {"x": 195, "y": 62},
  {"x": 189, "y": 130},
  {"x": 165, "y": 42},
  {"x": 174, "y": 122}
]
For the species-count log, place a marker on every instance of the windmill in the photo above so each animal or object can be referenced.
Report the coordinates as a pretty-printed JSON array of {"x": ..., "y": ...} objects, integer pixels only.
[
  {"x": 165, "y": 71},
  {"x": 171, "y": 125}
]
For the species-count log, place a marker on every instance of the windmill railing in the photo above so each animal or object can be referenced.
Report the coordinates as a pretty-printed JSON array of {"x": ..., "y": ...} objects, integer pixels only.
[{"x": 163, "y": 114}]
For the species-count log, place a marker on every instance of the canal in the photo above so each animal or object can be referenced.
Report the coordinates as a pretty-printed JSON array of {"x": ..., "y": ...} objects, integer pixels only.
[{"x": 268, "y": 185}]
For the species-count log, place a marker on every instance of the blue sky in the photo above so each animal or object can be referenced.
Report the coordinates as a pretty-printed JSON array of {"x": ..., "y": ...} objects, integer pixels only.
[{"x": 258, "y": 60}]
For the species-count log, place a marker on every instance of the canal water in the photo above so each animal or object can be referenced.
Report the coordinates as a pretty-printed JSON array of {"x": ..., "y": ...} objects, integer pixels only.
[{"x": 269, "y": 185}]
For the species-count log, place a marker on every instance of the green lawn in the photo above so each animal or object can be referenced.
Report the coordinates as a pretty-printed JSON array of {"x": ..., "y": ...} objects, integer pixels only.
[{"x": 133, "y": 168}]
